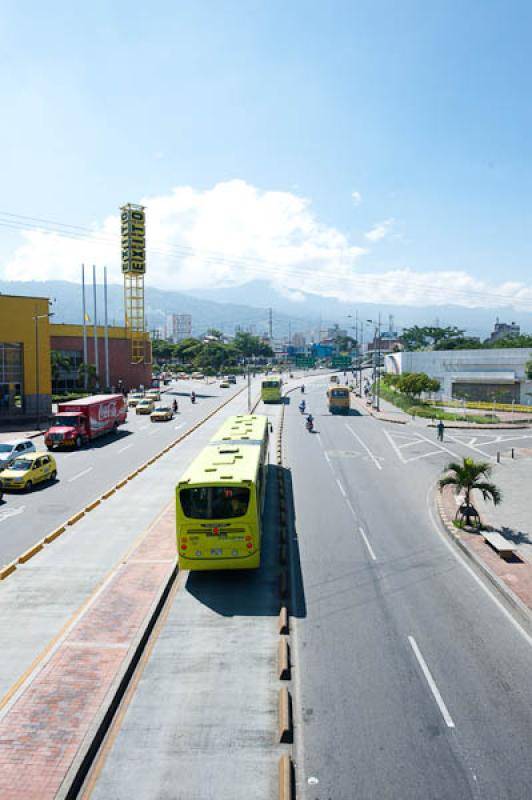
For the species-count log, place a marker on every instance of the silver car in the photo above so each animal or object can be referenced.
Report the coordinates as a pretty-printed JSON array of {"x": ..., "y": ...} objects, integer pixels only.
[{"x": 9, "y": 451}]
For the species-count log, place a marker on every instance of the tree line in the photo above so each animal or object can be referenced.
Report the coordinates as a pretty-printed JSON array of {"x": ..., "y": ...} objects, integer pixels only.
[{"x": 212, "y": 353}]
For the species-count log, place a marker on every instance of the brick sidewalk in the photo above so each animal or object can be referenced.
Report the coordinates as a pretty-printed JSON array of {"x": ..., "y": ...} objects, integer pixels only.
[
  {"x": 512, "y": 577},
  {"x": 48, "y": 725}
]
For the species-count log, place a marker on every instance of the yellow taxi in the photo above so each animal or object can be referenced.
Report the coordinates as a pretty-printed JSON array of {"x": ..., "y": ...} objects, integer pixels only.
[
  {"x": 26, "y": 471},
  {"x": 154, "y": 394},
  {"x": 134, "y": 399},
  {"x": 161, "y": 414},
  {"x": 145, "y": 406}
]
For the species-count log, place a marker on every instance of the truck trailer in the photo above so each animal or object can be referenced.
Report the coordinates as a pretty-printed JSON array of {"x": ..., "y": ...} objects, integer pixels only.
[{"x": 80, "y": 421}]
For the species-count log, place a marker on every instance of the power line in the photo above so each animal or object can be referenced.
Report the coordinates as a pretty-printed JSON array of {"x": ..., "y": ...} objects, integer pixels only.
[{"x": 22, "y": 223}]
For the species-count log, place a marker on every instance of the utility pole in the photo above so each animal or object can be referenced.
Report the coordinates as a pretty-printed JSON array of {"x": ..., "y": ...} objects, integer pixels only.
[
  {"x": 96, "y": 361},
  {"x": 84, "y": 313},
  {"x": 106, "y": 331},
  {"x": 270, "y": 323},
  {"x": 249, "y": 390}
]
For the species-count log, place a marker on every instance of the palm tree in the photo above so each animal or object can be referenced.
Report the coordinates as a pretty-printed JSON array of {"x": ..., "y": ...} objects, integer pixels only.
[{"x": 465, "y": 478}]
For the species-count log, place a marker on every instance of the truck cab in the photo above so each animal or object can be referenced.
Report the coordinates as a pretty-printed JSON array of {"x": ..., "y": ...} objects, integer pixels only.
[{"x": 68, "y": 429}]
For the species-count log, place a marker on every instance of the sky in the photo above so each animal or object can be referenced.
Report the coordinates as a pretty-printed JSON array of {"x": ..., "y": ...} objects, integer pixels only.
[{"x": 371, "y": 150}]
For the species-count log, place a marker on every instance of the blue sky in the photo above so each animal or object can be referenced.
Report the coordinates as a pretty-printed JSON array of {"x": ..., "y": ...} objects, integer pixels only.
[{"x": 423, "y": 109}]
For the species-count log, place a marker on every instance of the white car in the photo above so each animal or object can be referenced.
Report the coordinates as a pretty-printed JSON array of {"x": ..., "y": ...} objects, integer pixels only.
[{"x": 9, "y": 451}]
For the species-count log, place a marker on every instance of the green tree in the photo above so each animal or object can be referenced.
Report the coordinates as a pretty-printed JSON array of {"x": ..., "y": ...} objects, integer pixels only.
[
  {"x": 414, "y": 384},
  {"x": 528, "y": 369},
  {"x": 466, "y": 477},
  {"x": 88, "y": 370},
  {"x": 249, "y": 345}
]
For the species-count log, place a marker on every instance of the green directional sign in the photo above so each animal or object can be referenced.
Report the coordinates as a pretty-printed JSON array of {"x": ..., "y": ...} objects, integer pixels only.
[
  {"x": 305, "y": 362},
  {"x": 341, "y": 362}
]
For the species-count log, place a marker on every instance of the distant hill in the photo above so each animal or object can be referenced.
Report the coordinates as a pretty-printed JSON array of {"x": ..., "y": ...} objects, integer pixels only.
[{"x": 248, "y": 306}]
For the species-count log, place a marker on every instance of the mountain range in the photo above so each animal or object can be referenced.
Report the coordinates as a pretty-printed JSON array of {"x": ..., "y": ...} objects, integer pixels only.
[{"x": 248, "y": 307}]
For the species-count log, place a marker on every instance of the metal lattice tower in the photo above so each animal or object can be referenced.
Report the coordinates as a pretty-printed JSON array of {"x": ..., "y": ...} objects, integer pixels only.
[{"x": 133, "y": 269}]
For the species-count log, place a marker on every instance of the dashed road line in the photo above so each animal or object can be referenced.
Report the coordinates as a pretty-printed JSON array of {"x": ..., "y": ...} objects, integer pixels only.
[
  {"x": 80, "y": 474},
  {"x": 366, "y": 542},
  {"x": 431, "y": 682},
  {"x": 341, "y": 487},
  {"x": 11, "y": 512},
  {"x": 123, "y": 450}
]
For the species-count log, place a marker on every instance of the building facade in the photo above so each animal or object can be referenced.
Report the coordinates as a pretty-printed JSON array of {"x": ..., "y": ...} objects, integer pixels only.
[
  {"x": 178, "y": 327},
  {"x": 487, "y": 375},
  {"x": 67, "y": 341},
  {"x": 25, "y": 383}
]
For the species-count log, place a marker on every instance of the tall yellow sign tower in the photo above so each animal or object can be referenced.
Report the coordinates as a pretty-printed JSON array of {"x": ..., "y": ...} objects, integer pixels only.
[{"x": 133, "y": 229}]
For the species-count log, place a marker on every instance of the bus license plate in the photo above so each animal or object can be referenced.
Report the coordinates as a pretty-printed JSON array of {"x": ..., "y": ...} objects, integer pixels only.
[{"x": 216, "y": 551}]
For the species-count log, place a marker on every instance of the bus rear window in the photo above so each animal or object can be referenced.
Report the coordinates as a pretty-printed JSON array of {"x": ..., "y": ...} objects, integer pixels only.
[
  {"x": 339, "y": 393},
  {"x": 214, "y": 502},
  {"x": 270, "y": 384}
]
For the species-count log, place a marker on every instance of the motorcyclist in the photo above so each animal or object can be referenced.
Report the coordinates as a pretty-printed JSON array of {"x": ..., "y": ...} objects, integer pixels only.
[
  {"x": 193, "y": 397},
  {"x": 302, "y": 388},
  {"x": 310, "y": 422},
  {"x": 302, "y": 406},
  {"x": 174, "y": 406}
]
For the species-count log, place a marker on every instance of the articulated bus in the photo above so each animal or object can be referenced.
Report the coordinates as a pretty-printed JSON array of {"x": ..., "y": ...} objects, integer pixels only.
[
  {"x": 219, "y": 499},
  {"x": 270, "y": 390},
  {"x": 338, "y": 399}
]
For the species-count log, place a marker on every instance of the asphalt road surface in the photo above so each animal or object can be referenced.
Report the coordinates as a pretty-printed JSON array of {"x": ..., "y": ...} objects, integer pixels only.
[
  {"x": 85, "y": 474},
  {"x": 412, "y": 680}
]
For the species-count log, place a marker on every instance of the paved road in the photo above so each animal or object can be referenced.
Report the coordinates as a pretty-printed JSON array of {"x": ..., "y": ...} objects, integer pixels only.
[
  {"x": 411, "y": 679},
  {"x": 83, "y": 475},
  {"x": 202, "y": 722}
]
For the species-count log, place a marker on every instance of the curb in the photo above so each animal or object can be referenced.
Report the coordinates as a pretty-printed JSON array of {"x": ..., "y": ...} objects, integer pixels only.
[{"x": 517, "y": 604}]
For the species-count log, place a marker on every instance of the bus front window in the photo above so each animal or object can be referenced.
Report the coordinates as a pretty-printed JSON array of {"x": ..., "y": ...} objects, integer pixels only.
[{"x": 214, "y": 502}]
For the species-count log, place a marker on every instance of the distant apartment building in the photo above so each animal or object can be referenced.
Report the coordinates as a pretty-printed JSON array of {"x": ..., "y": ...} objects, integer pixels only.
[
  {"x": 503, "y": 330},
  {"x": 178, "y": 327},
  {"x": 298, "y": 340}
]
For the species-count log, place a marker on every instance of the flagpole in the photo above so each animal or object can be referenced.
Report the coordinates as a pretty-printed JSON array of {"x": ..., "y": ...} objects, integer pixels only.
[
  {"x": 84, "y": 315},
  {"x": 96, "y": 359},
  {"x": 106, "y": 330}
]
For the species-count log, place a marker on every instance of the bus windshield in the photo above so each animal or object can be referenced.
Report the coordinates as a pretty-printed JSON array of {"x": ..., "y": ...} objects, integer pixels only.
[
  {"x": 339, "y": 393},
  {"x": 214, "y": 502},
  {"x": 271, "y": 384}
]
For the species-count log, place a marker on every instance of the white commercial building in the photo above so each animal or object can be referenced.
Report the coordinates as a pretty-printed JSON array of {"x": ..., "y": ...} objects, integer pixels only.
[
  {"x": 178, "y": 327},
  {"x": 492, "y": 374}
]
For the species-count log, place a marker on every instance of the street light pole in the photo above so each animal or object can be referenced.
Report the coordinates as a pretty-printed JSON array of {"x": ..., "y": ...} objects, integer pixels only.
[{"x": 36, "y": 319}]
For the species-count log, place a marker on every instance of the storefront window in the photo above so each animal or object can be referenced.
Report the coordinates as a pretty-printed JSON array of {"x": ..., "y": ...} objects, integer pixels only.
[{"x": 11, "y": 378}]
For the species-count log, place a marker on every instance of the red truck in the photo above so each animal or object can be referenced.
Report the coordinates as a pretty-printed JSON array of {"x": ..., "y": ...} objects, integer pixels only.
[{"x": 79, "y": 421}]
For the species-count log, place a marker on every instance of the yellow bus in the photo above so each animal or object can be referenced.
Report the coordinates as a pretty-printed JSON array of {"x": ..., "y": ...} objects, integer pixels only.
[
  {"x": 270, "y": 390},
  {"x": 220, "y": 497},
  {"x": 338, "y": 399}
]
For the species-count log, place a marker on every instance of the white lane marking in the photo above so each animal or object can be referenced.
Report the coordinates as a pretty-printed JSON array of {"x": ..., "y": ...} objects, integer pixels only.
[
  {"x": 431, "y": 682},
  {"x": 11, "y": 512},
  {"x": 366, "y": 448},
  {"x": 452, "y": 549},
  {"x": 393, "y": 444},
  {"x": 341, "y": 487},
  {"x": 143, "y": 427},
  {"x": 471, "y": 446},
  {"x": 326, "y": 454},
  {"x": 425, "y": 455},
  {"x": 440, "y": 446},
  {"x": 123, "y": 450},
  {"x": 179, "y": 426},
  {"x": 366, "y": 542},
  {"x": 80, "y": 474}
]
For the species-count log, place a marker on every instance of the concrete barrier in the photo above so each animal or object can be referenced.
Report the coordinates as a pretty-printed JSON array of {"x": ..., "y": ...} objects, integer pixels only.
[
  {"x": 285, "y": 777},
  {"x": 285, "y": 716},
  {"x": 284, "y": 625},
  {"x": 92, "y": 505},
  {"x": 7, "y": 570},
  {"x": 75, "y": 518},
  {"x": 54, "y": 534},
  {"x": 30, "y": 553},
  {"x": 283, "y": 660}
]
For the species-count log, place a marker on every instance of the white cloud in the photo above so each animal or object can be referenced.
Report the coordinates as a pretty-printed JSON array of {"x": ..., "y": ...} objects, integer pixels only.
[
  {"x": 357, "y": 198},
  {"x": 234, "y": 233},
  {"x": 380, "y": 230}
]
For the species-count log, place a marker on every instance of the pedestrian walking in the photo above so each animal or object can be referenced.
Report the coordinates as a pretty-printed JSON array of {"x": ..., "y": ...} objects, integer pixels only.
[{"x": 440, "y": 428}]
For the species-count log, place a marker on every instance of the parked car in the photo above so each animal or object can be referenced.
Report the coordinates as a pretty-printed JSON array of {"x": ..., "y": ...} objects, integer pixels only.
[
  {"x": 224, "y": 384},
  {"x": 9, "y": 451},
  {"x": 29, "y": 469},
  {"x": 161, "y": 414},
  {"x": 231, "y": 378},
  {"x": 145, "y": 406}
]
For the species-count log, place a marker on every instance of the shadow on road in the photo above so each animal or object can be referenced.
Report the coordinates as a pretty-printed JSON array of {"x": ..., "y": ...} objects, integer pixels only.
[{"x": 250, "y": 592}]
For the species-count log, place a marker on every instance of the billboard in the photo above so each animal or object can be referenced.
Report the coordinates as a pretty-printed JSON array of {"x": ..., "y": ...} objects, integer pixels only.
[{"x": 133, "y": 233}]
